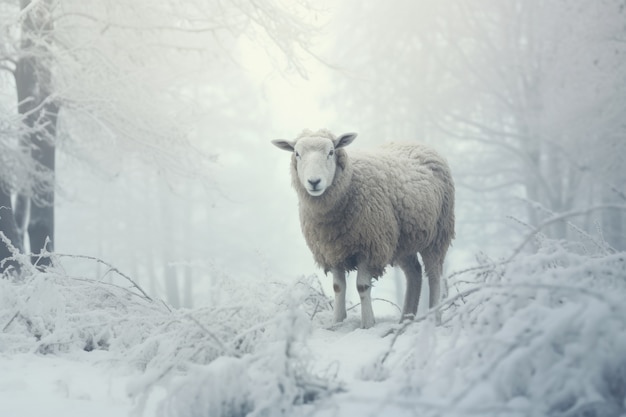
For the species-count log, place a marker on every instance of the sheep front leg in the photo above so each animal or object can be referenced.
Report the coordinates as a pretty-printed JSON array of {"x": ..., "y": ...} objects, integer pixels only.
[
  {"x": 364, "y": 286},
  {"x": 339, "y": 285}
]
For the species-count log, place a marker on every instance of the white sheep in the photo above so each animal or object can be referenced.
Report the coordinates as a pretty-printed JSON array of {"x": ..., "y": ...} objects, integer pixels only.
[{"x": 371, "y": 210}]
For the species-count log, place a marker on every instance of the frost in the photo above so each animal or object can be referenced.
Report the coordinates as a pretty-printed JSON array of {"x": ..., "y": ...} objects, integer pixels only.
[
  {"x": 241, "y": 357},
  {"x": 268, "y": 382},
  {"x": 539, "y": 334},
  {"x": 544, "y": 334}
]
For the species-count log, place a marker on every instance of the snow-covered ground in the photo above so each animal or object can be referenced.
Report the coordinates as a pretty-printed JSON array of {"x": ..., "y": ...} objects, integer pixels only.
[
  {"x": 78, "y": 385},
  {"x": 539, "y": 334}
]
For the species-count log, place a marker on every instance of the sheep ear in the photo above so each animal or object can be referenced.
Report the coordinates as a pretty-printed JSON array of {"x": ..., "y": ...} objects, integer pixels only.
[
  {"x": 344, "y": 140},
  {"x": 285, "y": 145}
]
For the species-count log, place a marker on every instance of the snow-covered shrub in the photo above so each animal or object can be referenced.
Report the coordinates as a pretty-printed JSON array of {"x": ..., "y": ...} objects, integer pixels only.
[
  {"x": 50, "y": 312},
  {"x": 543, "y": 334},
  {"x": 269, "y": 381},
  {"x": 262, "y": 366},
  {"x": 246, "y": 354}
]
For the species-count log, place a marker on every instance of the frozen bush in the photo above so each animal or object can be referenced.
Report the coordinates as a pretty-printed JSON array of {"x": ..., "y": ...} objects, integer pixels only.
[
  {"x": 239, "y": 357},
  {"x": 270, "y": 381},
  {"x": 49, "y": 312},
  {"x": 544, "y": 334}
]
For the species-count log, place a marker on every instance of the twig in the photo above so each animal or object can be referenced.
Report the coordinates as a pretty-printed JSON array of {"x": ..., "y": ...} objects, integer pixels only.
[
  {"x": 478, "y": 268},
  {"x": 317, "y": 304},
  {"x": 390, "y": 302},
  {"x": 213, "y": 336},
  {"x": 560, "y": 217},
  {"x": 15, "y": 253},
  {"x": 111, "y": 269},
  {"x": 166, "y": 306},
  {"x": 17, "y": 313},
  {"x": 257, "y": 327},
  {"x": 376, "y": 299},
  {"x": 125, "y": 289}
]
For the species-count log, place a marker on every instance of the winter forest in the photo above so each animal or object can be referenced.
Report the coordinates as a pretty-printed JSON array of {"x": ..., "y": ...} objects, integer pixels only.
[{"x": 151, "y": 256}]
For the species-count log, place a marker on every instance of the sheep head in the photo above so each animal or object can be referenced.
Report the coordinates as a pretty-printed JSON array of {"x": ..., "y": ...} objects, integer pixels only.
[{"x": 316, "y": 157}]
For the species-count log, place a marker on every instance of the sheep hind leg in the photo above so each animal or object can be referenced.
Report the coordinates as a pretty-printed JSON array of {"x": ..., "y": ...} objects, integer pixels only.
[
  {"x": 339, "y": 286},
  {"x": 434, "y": 268},
  {"x": 364, "y": 287},
  {"x": 413, "y": 272}
]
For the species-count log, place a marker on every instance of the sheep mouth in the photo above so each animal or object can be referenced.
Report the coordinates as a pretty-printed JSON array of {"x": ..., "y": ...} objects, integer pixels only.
[{"x": 315, "y": 192}]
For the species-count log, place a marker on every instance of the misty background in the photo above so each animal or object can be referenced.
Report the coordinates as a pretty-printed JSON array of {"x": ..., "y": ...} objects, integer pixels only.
[{"x": 159, "y": 116}]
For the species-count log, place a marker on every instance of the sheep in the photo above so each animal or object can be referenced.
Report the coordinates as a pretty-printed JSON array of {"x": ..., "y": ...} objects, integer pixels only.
[{"x": 366, "y": 211}]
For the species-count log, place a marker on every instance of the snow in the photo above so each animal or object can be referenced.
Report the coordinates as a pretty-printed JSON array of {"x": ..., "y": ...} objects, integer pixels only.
[
  {"x": 539, "y": 334},
  {"x": 36, "y": 385}
]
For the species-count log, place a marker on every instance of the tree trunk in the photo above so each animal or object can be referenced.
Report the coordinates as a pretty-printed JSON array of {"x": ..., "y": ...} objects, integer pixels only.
[
  {"x": 9, "y": 229},
  {"x": 168, "y": 247},
  {"x": 41, "y": 223},
  {"x": 172, "y": 292},
  {"x": 188, "y": 286},
  {"x": 33, "y": 83},
  {"x": 21, "y": 213},
  {"x": 613, "y": 220}
]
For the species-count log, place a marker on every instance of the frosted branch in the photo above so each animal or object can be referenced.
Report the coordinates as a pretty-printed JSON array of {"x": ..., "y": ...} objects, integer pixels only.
[
  {"x": 110, "y": 267},
  {"x": 561, "y": 217}
]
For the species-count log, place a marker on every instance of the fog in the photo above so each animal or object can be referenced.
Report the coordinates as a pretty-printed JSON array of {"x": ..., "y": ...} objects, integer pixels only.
[{"x": 164, "y": 167}]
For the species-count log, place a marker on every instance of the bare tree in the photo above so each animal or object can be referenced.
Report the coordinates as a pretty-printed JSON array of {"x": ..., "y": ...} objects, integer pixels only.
[
  {"x": 39, "y": 111},
  {"x": 527, "y": 93},
  {"x": 113, "y": 77}
]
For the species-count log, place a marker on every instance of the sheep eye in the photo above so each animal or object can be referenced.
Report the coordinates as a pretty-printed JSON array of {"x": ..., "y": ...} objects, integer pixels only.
[
  {"x": 297, "y": 155},
  {"x": 331, "y": 153}
]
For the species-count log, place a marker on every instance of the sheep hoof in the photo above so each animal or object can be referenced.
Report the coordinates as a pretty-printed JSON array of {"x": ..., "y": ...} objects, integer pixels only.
[
  {"x": 437, "y": 318},
  {"x": 407, "y": 317},
  {"x": 366, "y": 324},
  {"x": 339, "y": 317}
]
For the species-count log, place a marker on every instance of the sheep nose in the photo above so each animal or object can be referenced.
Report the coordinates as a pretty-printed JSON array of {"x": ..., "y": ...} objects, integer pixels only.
[{"x": 314, "y": 183}]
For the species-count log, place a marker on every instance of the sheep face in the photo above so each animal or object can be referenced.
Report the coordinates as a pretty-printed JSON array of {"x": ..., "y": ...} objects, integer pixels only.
[
  {"x": 316, "y": 164},
  {"x": 316, "y": 160}
]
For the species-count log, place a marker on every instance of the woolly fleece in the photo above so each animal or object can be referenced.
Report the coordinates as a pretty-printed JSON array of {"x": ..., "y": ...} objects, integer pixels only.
[{"x": 382, "y": 206}]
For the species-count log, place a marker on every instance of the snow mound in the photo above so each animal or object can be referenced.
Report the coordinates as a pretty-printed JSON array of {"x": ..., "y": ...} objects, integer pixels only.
[{"x": 543, "y": 334}]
